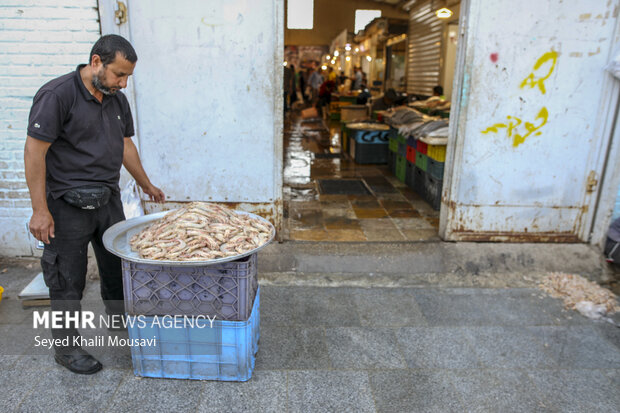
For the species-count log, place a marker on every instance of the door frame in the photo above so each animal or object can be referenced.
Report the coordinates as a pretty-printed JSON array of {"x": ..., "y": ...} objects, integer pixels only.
[{"x": 454, "y": 150}]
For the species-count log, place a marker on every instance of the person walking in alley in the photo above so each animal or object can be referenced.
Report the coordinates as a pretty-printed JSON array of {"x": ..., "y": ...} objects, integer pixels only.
[
  {"x": 315, "y": 80},
  {"x": 79, "y": 135},
  {"x": 288, "y": 84},
  {"x": 357, "y": 79},
  {"x": 293, "y": 91}
]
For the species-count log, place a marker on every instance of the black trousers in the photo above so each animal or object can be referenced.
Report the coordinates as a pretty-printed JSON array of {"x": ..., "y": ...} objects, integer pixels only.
[
  {"x": 65, "y": 259},
  {"x": 612, "y": 250}
]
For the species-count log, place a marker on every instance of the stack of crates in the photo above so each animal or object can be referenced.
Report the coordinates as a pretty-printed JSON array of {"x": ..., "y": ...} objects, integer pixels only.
[
  {"x": 204, "y": 319},
  {"x": 425, "y": 174},
  {"x": 410, "y": 164},
  {"x": 392, "y": 149},
  {"x": 397, "y": 156}
]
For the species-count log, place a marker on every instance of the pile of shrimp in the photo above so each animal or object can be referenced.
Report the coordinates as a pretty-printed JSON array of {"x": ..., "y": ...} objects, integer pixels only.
[
  {"x": 574, "y": 289},
  {"x": 200, "y": 231}
]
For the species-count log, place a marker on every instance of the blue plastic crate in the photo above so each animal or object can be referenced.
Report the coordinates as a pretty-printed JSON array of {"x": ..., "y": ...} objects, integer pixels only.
[
  {"x": 225, "y": 353},
  {"x": 369, "y": 136}
]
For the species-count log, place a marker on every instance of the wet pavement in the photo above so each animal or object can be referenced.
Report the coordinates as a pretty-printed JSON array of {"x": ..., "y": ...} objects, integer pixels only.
[{"x": 389, "y": 211}]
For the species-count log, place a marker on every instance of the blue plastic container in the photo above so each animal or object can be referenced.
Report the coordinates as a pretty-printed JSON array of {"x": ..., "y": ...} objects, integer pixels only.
[
  {"x": 368, "y": 144},
  {"x": 226, "y": 352}
]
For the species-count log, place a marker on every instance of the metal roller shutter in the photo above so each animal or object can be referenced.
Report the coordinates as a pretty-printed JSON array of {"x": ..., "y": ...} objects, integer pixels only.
[{"x": 424, "y": 54}]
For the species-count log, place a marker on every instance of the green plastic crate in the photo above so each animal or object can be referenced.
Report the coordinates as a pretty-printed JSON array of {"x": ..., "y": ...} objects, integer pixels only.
[
  {"x": 421, "y": 161},
  {"x": 393, "y": 145},
  {"x": 401, "y": 168}
]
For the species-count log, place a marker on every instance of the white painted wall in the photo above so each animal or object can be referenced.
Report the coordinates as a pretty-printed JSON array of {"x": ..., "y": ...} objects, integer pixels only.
[
  {"x": 208, "y": 91},
  {"x": 538, "y": 186},
  {"x": 39, "y": 40}
]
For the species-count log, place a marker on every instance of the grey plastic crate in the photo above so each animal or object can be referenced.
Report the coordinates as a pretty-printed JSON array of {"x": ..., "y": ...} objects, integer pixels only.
[
  {"x": 432, "y": 191},
  {"x": 435, "y": 168},
  {"x": 225, "y": 290},
  {"x": 391, "y": 160},
  {"x": 419, "y": 176},
  {"x": 410, "y": 175}
]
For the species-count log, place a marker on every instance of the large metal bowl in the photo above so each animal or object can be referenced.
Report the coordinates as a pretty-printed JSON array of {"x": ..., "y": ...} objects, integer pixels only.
[{"x": 116, "y": 240}]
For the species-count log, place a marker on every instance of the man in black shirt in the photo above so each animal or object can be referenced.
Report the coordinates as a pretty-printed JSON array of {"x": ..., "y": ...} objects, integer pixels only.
[{"x": 79, "y": 135}]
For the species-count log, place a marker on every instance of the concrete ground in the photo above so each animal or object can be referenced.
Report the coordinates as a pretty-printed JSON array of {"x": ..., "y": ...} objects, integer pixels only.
[{"x": 329, "y": 344}]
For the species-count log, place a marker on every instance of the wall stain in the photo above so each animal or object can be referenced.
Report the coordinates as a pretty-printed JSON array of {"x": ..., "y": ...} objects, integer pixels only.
[{"x": 598, "y": 50}]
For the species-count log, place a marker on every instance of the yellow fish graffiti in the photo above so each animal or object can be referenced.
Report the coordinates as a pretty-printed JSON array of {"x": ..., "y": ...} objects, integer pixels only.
[
  {"x": 533, "y": 80},
  {"x": 516, "y": 129},
  {"x": 514, "y": 123}
]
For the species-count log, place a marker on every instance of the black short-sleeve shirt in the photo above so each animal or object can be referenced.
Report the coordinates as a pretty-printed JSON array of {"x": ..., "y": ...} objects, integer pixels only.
[{"x": 87, "y": 136}]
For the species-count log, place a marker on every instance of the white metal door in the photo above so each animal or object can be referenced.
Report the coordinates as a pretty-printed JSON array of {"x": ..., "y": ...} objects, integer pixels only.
[
  {"x": 529, "y": 120},
  {"x": 208, "y": 87}
]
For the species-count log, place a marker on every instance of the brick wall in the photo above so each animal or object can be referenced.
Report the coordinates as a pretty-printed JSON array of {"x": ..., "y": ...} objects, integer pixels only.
[{"x": 39, "y": 40}]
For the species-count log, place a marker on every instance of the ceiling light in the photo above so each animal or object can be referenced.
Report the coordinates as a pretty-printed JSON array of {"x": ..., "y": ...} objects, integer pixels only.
[
  {"x": 348, "y": 58},
  {"x": 347, "y": 47},
  {"x": 369, "y": 58},
  {"x": 443, "y": 13},
  {"x": 336, "y": 53},
  {"x": 328, "y": 57},
  {"x": 324, "y": 67},
  {"x": 285, "y": 63}
]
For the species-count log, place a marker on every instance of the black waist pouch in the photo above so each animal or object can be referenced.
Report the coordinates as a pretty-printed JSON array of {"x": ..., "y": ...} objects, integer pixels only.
[{"x": 88, "y": 197}]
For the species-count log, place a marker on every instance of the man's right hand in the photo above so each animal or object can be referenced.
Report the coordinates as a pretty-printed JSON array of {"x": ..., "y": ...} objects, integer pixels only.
[{"x": 42, "y": 226}]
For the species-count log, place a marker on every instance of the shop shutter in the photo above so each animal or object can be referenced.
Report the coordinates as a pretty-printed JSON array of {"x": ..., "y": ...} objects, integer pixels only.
[{"x": 424, "y": 54}]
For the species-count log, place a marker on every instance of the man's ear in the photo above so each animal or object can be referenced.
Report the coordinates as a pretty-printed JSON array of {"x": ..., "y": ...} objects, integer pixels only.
[{"x": 95, "y": 61}]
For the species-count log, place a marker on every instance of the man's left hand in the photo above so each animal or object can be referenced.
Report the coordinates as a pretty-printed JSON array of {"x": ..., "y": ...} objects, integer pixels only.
[{"x": 156, "y": 194}]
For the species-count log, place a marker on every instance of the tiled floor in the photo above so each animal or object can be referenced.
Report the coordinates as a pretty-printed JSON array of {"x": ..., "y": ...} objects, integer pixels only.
[{"x": 391, "y": 212}]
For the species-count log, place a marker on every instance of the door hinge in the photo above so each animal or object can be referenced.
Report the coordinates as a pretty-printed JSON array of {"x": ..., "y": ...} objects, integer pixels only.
[
  {"x": 120, "y": 14},
  {"x": 591, "y": 183}
]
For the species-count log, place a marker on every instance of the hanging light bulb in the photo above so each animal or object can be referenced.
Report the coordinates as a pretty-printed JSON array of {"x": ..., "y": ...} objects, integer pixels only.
[
  {"x": 285, "y": 63},
  {"x": 443, "y": 13},
  {"x": 348, "y": 58},
  {"x": 357, "y": 49},
  {"x": 369, "y": 58},
  {"x": 324, "y": 67},
  {"x": 328, "y": 57},
  {"x": 347, "y": 47},
  {"x": 336, "y": 53}
]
